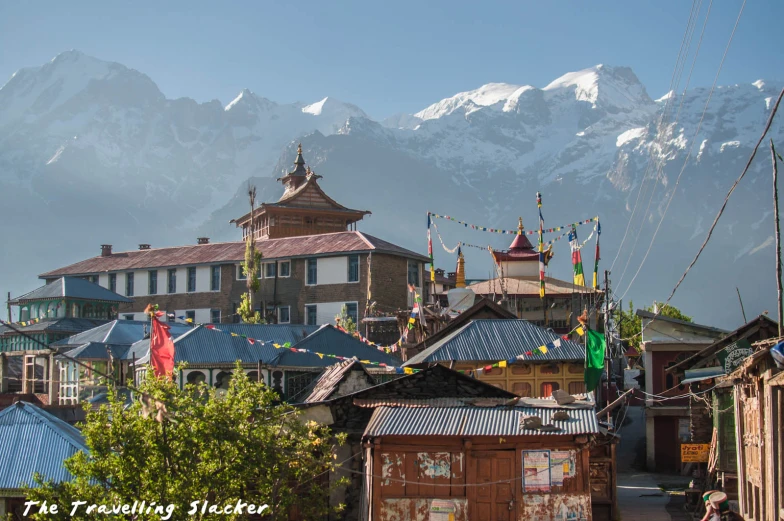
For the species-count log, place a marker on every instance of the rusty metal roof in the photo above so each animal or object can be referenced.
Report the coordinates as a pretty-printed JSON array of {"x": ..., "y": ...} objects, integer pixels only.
[
  {"x": 476, "y": 421},
  {"x": 497, "y": 339},
  {"x": 514, "y": 286},
  {"x": 32, "y": 440},
  {"x": 234, "y": 252}
]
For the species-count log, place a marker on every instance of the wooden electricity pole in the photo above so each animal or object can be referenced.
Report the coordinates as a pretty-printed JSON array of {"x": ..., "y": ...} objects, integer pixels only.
[{"x": 778, "y": 231}]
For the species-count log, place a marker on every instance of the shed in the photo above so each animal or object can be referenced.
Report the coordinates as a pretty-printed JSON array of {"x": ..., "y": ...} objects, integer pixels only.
[{"x": 479, "y": 459}]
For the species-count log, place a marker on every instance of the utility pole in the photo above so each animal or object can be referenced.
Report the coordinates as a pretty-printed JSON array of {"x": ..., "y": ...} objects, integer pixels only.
[
  {"x": 778, "y": 231},
  {"x": 8, "y": 305},
  {"x": 608, "y": 364}
]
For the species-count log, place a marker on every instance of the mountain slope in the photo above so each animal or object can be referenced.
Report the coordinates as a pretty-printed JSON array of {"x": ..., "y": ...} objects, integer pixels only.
[{"x": 92, "y": 152}]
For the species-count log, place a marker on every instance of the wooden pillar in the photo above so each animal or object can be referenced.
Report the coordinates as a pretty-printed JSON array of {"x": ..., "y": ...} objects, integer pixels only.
[
  {"x": 3, "y": 373},
  {"x": 53, "y": 380},
  {"x": 375, "y": 483}
]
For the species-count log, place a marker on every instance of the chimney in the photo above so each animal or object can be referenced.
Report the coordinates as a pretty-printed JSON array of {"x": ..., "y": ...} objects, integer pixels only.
[
  {"x": 202, "y": 240},
  {"x": 106, "y": 250},
  {"x": 144, "y": 246}
]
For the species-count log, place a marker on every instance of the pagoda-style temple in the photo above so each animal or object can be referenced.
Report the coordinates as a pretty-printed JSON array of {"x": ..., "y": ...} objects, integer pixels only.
[{"x": 303, "y": 209}]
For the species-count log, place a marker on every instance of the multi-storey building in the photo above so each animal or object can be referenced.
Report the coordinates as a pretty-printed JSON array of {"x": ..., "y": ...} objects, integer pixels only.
[{"x": 314, "y": 263}]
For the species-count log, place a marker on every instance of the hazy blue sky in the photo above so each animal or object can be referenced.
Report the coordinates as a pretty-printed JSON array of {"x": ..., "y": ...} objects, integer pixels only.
[{"x": 387, "y": 57}]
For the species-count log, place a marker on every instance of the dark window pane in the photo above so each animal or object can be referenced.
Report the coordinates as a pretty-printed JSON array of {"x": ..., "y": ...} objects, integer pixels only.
[
  {"x": 284, "y": 314},
  {"x": 353, "y": 268},
  {"x": 153, "y": 282},
  {"x": 172, "y": 280},
  {"x": 215, "y": 279},
  {"x": 310, "y": 311},
  {"x": 413, "y": 273},
  {"x": 351, "y": 311},
  {"x": 129, "y": 284},
  {"x": 113, "y": 282},
  {"x": 215, "y": 316},
  {"x": 191, "y": 279},
  {"x": 285, "y": 269},
  {"x": 270, "y": 270},
  {"x": 312, "y": 271}
]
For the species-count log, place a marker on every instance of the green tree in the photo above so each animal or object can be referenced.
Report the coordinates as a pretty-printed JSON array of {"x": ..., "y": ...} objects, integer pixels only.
[
  {"x": 345, "y": 321},
  {"x": 176, "y": 446},
  {"x": 630, "y": 324},
  {"x": 251, "y": 267}
]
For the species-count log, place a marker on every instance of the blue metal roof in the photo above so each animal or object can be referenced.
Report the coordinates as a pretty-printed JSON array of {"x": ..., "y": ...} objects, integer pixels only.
[
  {"x": 476, "y": 421},
  {"x": 115, "y": 332},
  {"x": 55, "y": 325},
  {"x": 201, "y": 345},
  {"x": 71, "y": 287},
  {"x": 32, "y": 440},
  {"x": 97, "y": 351},
  {"x": 494, "y": 339},
  {"x": 328, "y": 340},
  {"x": 141, "y": 347}
]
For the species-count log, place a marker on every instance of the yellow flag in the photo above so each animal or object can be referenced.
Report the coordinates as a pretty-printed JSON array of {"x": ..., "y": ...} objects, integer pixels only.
[
  {"x": 277, "y": 346},
  {"x": 234, "y": 334},
  {"x": 580, "y": 331},
  {"x": 543, "y": 349},
  {"x": 365, "y": 361},
  {"x": 320, "y": 355},
  {"x": 408, "y": 370},
  {"x": 502, "y": 363}
]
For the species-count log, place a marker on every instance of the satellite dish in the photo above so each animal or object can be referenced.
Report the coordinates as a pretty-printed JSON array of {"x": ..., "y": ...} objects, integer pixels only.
[{"x": 460, "y": 299}]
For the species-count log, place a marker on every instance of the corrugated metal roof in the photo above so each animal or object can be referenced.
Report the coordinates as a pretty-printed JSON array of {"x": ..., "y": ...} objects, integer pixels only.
[
  {"x": 97, "y": 351},
  {"x": 538, "y": 403},
  {"x": 71, "y": 287},
  {"x": 55, "y": 325},
  {"x": 328, "y": 340},
  {"x": 201, "y": 345},
  {"x": 528, "y": 287},
  {"x": 234, "y": 252},
  {"x": 475, "y": 421},
  {"x": 698, "y": 375},
  {"x": 115, "y": 332},
  {"x": 495, "y": 339},
  {"x": 32, "y": 440}
]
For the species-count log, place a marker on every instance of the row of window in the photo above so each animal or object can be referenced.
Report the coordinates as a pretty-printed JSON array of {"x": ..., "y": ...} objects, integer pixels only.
[
  {"x": 283, "y": 269},
  {"x": 311, "y": 313},
  {"x": 171, "y": 281},
  {"x": 268, "y": 270}
]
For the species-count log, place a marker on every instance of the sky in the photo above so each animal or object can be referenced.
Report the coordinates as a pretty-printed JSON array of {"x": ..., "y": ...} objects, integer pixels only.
[{"x": 388, "y": 57}]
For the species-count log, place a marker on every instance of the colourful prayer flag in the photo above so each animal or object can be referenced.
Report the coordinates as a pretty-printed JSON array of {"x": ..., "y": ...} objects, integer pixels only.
[
  {"x": 594, "y": 359},
  {"x": 577, "y": 260},
  {"x": 596, "y": 256},
  {"x": 161, "y": 348}
]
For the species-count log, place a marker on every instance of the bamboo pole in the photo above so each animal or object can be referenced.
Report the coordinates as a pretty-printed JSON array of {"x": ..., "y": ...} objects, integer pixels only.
[{"x": 778, "y": 232}]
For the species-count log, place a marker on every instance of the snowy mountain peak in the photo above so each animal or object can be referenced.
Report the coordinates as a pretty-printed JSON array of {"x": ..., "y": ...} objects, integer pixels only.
[
  {"x": 247, "y": 100},
  {"x": 485, "y": 96},
  {"x": 603, "y": 86},
  {"x": 334, "y": 109}
]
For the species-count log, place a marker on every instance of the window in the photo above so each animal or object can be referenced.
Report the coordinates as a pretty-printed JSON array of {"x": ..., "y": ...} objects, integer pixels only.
[
  {"x": 129, "y": 284},
  {"x": 269, "y": 270},
  {"x": 215, "y": 316},
  {"x": 93, "y": 279},
  {"x": 190, "y": 315},
  {"x": 413, "y": 273},
  {"x": 214, "y": 278},
  {"x": 312, "y": 272},
  {"x": 152, "y": 278},
  {"x": 522, "y": 389},
  {"x": 353, "y": 268},
  {"x": 284, "y": 314},
  {"x": 284, "y": 269},
  {"x": 113, "y": 282},
  {"x": 128, "y": 317},
  {"x": 351, "y": 311},
  {"x": 191, "y": 280},
  {"x": 172, "y": 281},
  {"x": 241, "y": 273},
  {"x": 310, "y": 315}
]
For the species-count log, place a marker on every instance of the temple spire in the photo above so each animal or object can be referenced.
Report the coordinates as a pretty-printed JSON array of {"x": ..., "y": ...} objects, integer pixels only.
[
  {"x": 460, "y": 276},
  {"x": 520, "y": 226},
  {"x": 299, "y": 161}
]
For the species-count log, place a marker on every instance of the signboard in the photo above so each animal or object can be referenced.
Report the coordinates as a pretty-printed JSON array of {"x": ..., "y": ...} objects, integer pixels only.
[
  {"x": 563, "y": 465},
  {"x": 695, "y": 452},
  {"x": 734, "y": 354},
  {"x": 536, "y": 471}
]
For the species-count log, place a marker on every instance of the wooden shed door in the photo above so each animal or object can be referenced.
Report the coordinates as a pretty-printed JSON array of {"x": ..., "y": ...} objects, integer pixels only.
[{"x": 495, "y": 501}]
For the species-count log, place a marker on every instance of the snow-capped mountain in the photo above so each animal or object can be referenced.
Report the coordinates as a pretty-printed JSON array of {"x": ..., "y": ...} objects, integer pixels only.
[{"x": 92, "y": 152}]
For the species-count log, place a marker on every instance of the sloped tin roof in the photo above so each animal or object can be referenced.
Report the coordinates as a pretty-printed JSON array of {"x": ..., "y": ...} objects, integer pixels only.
[
  {"x": 328, "y": 383},
  {"x": 205, "y": 346},
  {"x": 55, "y": 325},
  {"x": 234, "y": 252},
  {"x": 476, "y": 421},
  {"x": 71, "y": 287},
  {"x": 32, "y": 440},
  {"x": 328, "y": 340},
  {"x": 494, "y": 340}
]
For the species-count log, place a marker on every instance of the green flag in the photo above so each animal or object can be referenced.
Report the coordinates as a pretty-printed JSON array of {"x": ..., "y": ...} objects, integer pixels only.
[{"x": 594, "y": 359}]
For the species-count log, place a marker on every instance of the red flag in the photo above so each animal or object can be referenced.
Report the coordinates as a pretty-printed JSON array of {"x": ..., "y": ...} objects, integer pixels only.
[{"x": 161, "y": 348}]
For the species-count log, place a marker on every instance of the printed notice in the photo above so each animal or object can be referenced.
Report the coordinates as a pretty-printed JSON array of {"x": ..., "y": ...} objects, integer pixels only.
[
  {"x": 536, "y": 471},
  {"x": 442, "y": 510},
  {"x": 563, "y": 463}
]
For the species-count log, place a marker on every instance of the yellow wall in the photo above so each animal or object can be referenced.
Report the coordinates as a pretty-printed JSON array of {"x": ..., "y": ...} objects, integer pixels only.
[{"x": 514, "y": 377}]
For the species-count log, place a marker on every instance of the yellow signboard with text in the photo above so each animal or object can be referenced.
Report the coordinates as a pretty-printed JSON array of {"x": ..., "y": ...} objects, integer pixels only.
[{"x": 695, "y": 452}]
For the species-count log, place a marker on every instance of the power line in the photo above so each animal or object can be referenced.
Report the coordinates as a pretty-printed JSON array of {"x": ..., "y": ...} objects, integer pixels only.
[
  {"x": 659, "y": 126},
  {"x": 718, "y": 215},
  {"x": 691, "y": 148}
]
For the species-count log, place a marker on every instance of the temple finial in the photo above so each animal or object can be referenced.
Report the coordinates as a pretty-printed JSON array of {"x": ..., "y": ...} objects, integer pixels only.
[
  {"x": 299, "y": 161},
  {"x": 520, "y": 226}
]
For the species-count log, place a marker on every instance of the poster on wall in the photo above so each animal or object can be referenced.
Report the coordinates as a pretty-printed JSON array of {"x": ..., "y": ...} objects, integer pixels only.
[
  {"x": 442, "y": 510},
  {"x": 563, "y": 464},
  {"x": 536, "y": 471}
]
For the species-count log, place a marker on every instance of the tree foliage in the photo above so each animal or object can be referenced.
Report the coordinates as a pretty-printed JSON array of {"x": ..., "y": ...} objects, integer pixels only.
[
  {"x": 345, "y": 321},
  {"x": 197, "y": 445},
  {"x": 251, "y": 267},
  {"x": 630, "y": 324}
]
